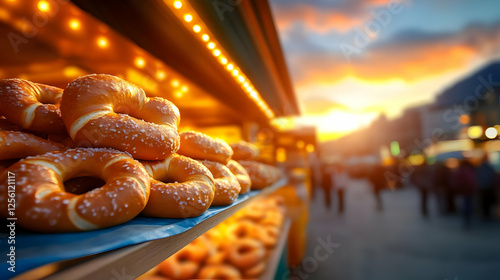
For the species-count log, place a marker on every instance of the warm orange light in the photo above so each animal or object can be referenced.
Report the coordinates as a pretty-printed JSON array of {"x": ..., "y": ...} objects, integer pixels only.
[
  {"x": 140, "y": 62},
  {"x": 216, "y": 52},
  {"x": 175, "y": 83},
  {"x": 249, "y": 89},
  {"x": 205, "y": 37},
  {"x": 230, "y": 67},
  {"x": 309, "y": 147},
  {"x": 74, "y": 24},
  {"x": 196, "y": 28},
  {"x": 254, "y": 94},
  {"x": 211, "y": 45},
  {"x": 177, "y": 4},
  {"x": 241, "y": 79},
  {"x": 235, "y": 72},
  {"x": 223, "y": 60},
  {"x": 43, "y": 6},
  {"x": 300, "y": 144},
  {"x": 102, "y": 42},
  {"x": 246, "y": 85},
  {"x": 464, "y": 119},
  {"x": 184, "y": 88},
  {"x": 178, "y": 94},
  {"x": 188, "y": 17},
  {"x": 160, "y": 75}
]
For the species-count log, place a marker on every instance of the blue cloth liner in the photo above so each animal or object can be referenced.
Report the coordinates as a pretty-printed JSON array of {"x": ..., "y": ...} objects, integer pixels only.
[{"x": 37, "y": 249}]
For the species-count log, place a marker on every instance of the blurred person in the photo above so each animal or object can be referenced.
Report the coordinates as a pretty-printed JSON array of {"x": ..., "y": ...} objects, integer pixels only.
[
  {"x": 377, "y": 179},
  {"x": 464, "y": 181},
  {"x": 340, "y": 180},
  {"x": 444, "y": 191},
  {"x": 486, "y": 181},
  {"x": 422, "y": 178},
  {"x": 327, "y": 184}
]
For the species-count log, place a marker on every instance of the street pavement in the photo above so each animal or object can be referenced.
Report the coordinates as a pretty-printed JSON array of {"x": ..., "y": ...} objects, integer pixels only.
[{"x": 397, "y": 243}]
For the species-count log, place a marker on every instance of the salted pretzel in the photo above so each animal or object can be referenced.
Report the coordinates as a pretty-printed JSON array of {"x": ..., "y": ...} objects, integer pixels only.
[
  {"x": 201, "y": 146},
  {"x": 261, "y": 175},
  {"x": 243, "y": 150},
  {"x": 18, "y": 145},
  {"x": 181, "y": 188},
  {"x": 43, "y": 204},
  {"x": 227, "y": 187},
  {"x": 31, "y": 105},
  {"x": 105, "y": 111},
  {"x": 241, "y": 174}
]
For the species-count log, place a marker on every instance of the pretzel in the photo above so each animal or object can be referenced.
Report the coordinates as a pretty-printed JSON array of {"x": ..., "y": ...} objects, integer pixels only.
[
  {"x": 241, "y": 174},
  {"x": 246, "y": 252},
  {"x": 106, "y": 111},
  {"x": 201, "y": 146},
  {"x": 227, "y": 187},
  {"x": 261, "y": 175},
  {"x": 43, "y": 204},
  {"x": 31, "y": 105},
  {"x": 18, "y": 145},
  {"x": 244, "y": 151},
  {"x": 185, "y": 263},
  {"x": 220, "y": 272},
  {"x": 181, "y": 188}
]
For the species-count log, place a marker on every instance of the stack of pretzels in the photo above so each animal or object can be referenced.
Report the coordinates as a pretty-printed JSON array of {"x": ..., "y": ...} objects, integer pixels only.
[
  {"x": 237, "y": 248},
  {"x": 54, "y": 143}
]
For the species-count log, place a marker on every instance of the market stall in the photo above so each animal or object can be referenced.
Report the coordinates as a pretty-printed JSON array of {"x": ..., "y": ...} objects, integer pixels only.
[{"x": 220, "y": 65}]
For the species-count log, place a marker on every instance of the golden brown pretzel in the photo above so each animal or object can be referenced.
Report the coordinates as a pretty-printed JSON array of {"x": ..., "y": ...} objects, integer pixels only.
[
  {"x": 106, "y": 111},
  {"x": 201, "y": 146},
  {"x": 241, "y": 174},
  {"x": 220, "y": 272},
  {"x": 261, "y": 175},
  {"x": 18, "y": 145},
  {"x": 42, "y": 204},
  {"x": 246, "y": 252},
  {"x": 244, "y": 151},
  {"x": 6, "y": 125},
  {"x": 181, "y": 188},
  {"x": 227, "y": 187},
  {"x": 31, "y": 105},
  {"x": 185, "y": 263},
  {"x": 255, "y": 271}
]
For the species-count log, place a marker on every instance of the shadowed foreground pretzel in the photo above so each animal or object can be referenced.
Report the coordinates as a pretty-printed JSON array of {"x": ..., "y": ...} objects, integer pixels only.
[{"x": 43, "y": 204}]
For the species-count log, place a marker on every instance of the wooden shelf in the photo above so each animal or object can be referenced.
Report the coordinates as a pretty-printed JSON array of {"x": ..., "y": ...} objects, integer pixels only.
[
  {"x": 133, "y": 261},
  {"x": 274, "y": 258}
]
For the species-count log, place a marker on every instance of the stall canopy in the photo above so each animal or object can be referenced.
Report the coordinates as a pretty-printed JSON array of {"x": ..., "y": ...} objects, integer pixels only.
[{"x": 245, "y": 29}]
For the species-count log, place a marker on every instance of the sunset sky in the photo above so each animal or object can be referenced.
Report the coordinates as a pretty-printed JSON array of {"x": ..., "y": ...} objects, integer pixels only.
[{"x": 351, "y": 60}]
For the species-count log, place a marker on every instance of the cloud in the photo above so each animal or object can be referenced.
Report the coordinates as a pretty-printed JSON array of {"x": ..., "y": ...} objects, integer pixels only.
[
  {"x": 323, "y": 16},
  {"x": 401, "y": 57}
]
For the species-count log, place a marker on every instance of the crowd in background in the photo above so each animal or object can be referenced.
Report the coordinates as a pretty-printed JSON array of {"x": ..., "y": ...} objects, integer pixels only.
[{"x": 467, "y": 189}]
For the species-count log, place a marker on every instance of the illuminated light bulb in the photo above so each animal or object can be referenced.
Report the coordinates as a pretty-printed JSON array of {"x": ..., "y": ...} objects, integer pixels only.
[
  {"x": 249, "y": 89},
  {"x": 241, "y": 79},
  {"x": 74, "y": 24},
  {"x": 474, "y": 132},
  {"x": 211, "y": 45},
  {"x": 246, "y": 85},
  {"x": 102, "y": 42},
  {"x": 216, "y": 52},
  {"x": 140, "y": 62},
  {"x": 235, "y": 72},
  {"x": 175, "y": 83},
  {"x": 160, "y": 75},
  {"x": 491, "y": 132},
  {"x": 184, "y": 88},
  {"x": 178, "y": 94},
  {"x": 177, "y": 4},
  {"x": 196, "y": 28},
  {"x": 43, "y": 6},
  {"x": 230, "y": 67},
  {"x": 205, "y": 37},
  {"x": 188, "y": 17},
  {"x": 254, "y": 94},
  {"x": 223, "y": 60}
]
